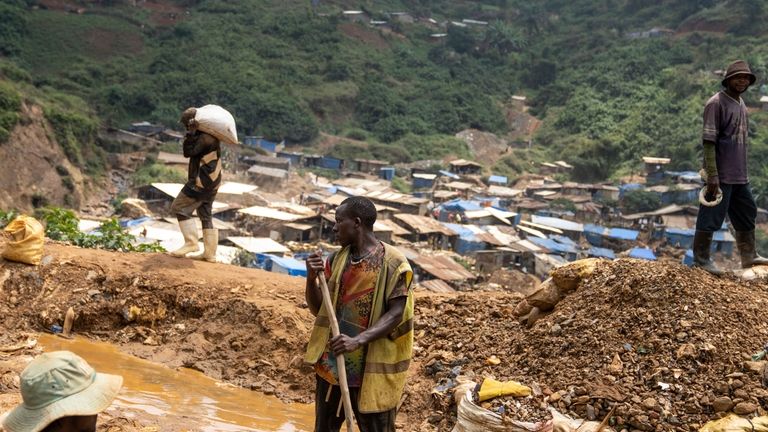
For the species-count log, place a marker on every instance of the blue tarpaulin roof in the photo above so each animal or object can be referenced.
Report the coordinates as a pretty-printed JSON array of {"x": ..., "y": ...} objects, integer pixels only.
[
  {"x": 134, "y": 222},
  {"x": 497, "y": 179},
  {"x": 642, "y": 253},
  {"x": 563, "y": 240},
  {"x": 461, "y": 205},
  {"x": 294, "y": 267},
  {"x": 723, "y": 236},
  {"x": 449, "y": 174},
  {"x": 616, "y": 233},
  {"x": 552, "y": 245},
  {"x": 680, "y": 231},
  {"x": 462, "y": 231},
  {"x": 562, "y": 224},
  {"x": 601, "y": 253}
]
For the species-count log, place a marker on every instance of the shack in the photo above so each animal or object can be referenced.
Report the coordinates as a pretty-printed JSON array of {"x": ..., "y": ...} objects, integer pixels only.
[
  {"x": 426, "y": 229},
  {"x": 654, "y": 169},
  {"x": 442, "y": 267},
  {"x": 464, "y": 167}
]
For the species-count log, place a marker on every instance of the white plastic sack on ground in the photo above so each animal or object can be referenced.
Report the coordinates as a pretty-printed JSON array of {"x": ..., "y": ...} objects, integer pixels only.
[
  {"x": 472, "y": 418},
  {"x": 217, "y": 121},
  {"x": 563, "y": 423}
]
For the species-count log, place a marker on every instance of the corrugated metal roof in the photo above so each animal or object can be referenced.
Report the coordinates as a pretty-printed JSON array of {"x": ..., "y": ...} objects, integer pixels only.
[
  {"x": 395, "y": 228},
  {"x": 445, "y": 194},
  {"x": 558, "y": 223},
  {"x": 459, "y": 185},
  {"x": 541, "y": 227},
  {"x": 526, "y": 245},
  {"x": 269, "y": 213},
  {"x": 443, "y": 267},
  {"x": 425, "y": 176},
  {"x": 449, "y": 174},
  {"x": 503, "y": 191},
  {"x": 435, "y": 285},
  {"x": 670, "y": 209},
  {"x": 292, "y": 208},
  {"x": 170, "y": 189},
  {"x": 334, "y": 200},
  {"x": 464, "y": 162},
  {"x": 423, "y": 224},
  {"x": 233, "y": 188},
  {"x": 656, "y": 160},
  {"x": 298, "y": 226},
  {"x": 531, "y": 231},
  {"x": 267, "y": 171},
  {"x": 497, "y": 179},
  {"x": 259, "y": 244}
]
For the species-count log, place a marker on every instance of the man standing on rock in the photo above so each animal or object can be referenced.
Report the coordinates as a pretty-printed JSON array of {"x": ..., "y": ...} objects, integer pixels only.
[
  {"x": 725, "y": 162},
  {"x": 203, "y": 179},
  {"x": 369, "y": 282}
]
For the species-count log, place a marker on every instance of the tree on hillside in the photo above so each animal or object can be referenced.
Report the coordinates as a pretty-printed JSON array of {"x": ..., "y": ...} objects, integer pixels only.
[{"x": 504, "y": 38}]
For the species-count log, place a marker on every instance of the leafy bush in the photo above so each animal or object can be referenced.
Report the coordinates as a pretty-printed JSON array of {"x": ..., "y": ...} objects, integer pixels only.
[
  {"x": 10, "y": 105},
  {"x": 638, "y": 200},
  {"x": 6, "y": 217},
  {"x": 62, "y": 225},
  {"x": 155, "y": 172}
]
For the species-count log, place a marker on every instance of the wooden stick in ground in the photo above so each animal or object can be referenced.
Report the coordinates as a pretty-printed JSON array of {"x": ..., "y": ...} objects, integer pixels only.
[{"x": 340, "y": 365}]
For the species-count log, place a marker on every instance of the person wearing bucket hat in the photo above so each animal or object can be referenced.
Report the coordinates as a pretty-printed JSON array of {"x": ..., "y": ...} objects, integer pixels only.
[
  {"x": 725, "y": 170},
  {"x": 61, "y": 392}
]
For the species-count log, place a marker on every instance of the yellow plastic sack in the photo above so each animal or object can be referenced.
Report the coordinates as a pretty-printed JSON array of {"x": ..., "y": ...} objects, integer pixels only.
[
  {"x": 26, "y": 240},
  {"x": 491, "y": 389},
  {"x": 734, "y": 423}
]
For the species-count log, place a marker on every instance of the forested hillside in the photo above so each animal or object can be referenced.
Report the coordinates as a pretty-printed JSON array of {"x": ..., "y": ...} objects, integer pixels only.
[{"x": 606, "y": 93}]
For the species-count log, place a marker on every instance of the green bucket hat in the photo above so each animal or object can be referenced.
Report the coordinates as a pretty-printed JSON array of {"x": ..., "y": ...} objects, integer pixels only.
[
  {"x": 739, "y": 67},
  {"x": 60, "y": 384}
]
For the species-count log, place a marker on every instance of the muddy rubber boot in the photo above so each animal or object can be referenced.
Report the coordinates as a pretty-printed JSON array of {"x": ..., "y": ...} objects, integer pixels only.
[
  {"x": 745, "y": 242},
  {"x": 189, "y": 231},
  {"x": 211, "y": 242},
  {"x": 702, "y": 242}
]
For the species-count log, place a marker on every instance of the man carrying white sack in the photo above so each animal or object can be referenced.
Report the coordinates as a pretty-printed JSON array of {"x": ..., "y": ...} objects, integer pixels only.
[{"x": 203, "y": 179}]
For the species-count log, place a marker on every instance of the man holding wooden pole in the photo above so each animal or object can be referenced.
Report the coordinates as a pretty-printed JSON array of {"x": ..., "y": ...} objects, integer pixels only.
[{"x": 369, "y": 286}]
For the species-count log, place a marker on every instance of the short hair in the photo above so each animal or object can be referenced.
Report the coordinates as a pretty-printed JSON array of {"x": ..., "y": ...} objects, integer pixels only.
[{"x": 361, "y": 207}]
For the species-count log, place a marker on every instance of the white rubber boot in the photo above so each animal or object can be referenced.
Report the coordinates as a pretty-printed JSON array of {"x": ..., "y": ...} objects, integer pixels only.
[
  {"x": 189, "y": 231},
  {"x": 211, "y": 242}
]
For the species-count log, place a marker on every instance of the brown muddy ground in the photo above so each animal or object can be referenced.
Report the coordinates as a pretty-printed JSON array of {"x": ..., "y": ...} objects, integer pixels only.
[{"x": 665, "y": 323}]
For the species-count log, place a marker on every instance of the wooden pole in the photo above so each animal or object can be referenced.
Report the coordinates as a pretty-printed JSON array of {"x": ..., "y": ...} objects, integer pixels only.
[{"x": 340, "y": 365}]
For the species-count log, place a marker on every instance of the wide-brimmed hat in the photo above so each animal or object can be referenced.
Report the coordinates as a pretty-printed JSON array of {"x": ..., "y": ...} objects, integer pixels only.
[
  {"x": 739, "y": 67},
  {"x": 60, "y": 384}
]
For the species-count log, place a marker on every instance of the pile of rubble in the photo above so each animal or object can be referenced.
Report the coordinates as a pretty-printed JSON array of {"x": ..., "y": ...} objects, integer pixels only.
[{"x": 668, "y": 347}]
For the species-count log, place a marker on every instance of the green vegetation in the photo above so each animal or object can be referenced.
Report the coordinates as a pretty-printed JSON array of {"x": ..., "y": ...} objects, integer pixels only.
[
  {"x": 636, "y": 201},
  {"x": 401, "y": 185},
  {"x": 6, "y": 217},
  {"x": 10, "y": 105},
  {"x": 61, "y": 224},
  {"x": 286, "y": 72},
  {"x": 153, "y": 172}
]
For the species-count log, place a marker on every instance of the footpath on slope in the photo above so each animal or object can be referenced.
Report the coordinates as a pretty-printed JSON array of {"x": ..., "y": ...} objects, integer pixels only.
[{"x": 665, "y": 345}]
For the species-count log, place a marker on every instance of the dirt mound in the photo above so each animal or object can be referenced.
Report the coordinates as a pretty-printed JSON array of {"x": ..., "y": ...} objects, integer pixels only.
[
  {"x": 239, "y": 325},
  {"x": 663, "y": 343}
]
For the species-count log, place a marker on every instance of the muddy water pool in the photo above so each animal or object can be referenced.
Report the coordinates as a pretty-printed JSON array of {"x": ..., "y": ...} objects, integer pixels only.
[{"x": 185, "y": 396}]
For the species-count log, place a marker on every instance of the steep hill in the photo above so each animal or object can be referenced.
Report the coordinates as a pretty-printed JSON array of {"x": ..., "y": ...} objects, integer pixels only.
[{"x": 611, "y": 81}]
